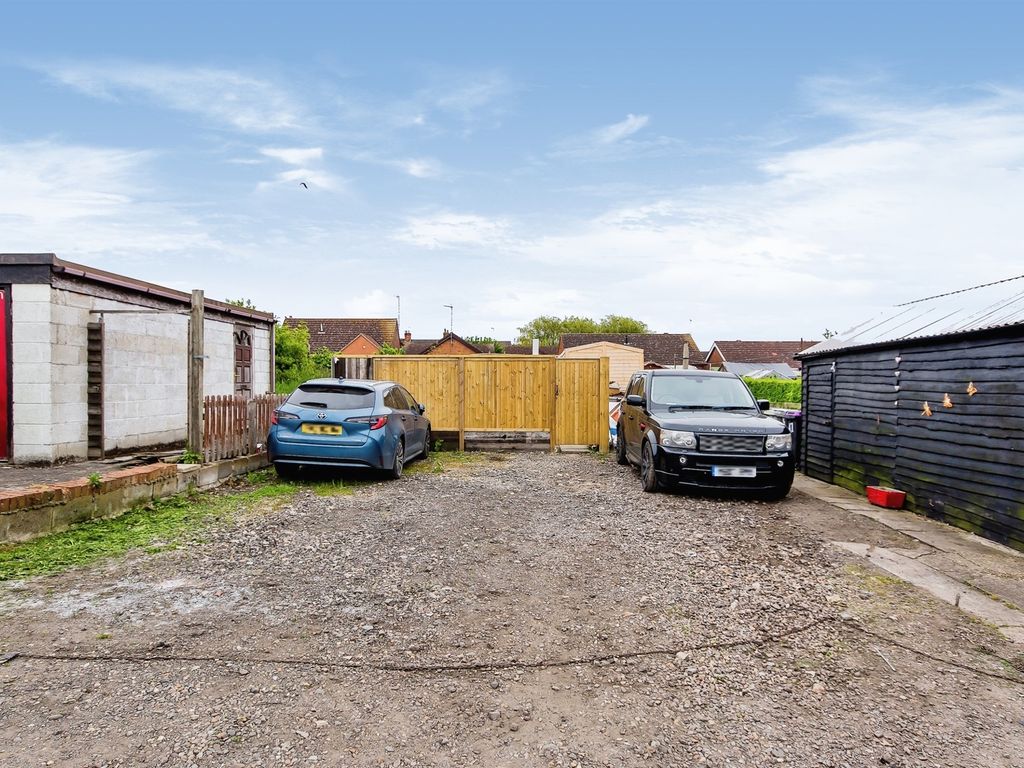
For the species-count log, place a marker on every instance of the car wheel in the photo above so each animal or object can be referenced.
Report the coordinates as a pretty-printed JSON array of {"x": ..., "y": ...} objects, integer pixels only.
[
  {"x": 286, "y": 471},
  {"x": 620, "y": 447},
  {"x": 777, "y": 493},
  {"x": 648, "y": 474},
  {"x": 426, "y": 445},
  {"x": 399, "y": 464}
]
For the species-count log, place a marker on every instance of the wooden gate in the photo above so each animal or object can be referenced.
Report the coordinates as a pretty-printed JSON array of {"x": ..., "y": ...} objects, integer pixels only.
[{"x": 568, "y": 399}]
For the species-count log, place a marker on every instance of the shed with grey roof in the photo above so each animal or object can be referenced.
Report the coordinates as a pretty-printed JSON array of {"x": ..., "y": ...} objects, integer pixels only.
[{"x": 927, "y": 398}]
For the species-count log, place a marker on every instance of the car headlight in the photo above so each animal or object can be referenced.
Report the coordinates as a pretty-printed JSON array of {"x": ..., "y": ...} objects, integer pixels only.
[
  {"x": 678, "y": 439},
  {"x": 783, "y": 442}
]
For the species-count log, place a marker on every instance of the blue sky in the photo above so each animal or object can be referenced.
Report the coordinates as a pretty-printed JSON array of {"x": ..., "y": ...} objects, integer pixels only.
[{"x": 737, "y": 170}]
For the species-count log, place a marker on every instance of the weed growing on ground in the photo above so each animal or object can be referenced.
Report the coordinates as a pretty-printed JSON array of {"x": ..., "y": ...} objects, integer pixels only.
[
  {"x": 95, "y": 481},
  {"x": 439, "y": 463},
  {"x": 155, "y": 527}
]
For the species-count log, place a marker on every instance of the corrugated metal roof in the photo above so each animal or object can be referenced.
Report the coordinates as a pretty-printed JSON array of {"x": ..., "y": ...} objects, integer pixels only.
[
  {"x": 762, "y": 370},
  {"x": 992, "y": 305}
]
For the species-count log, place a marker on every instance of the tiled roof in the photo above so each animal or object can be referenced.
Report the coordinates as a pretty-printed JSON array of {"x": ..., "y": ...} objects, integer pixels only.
[
  {"x": 335, "y": 333},
  {"x": 763, "y": 351},
  {"x": 527, "y": 349},
  {"x": 661, "y": 348},
  {"x": 424, "y": 346}
]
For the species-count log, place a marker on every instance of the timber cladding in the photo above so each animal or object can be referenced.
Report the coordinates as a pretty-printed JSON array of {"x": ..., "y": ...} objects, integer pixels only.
[
  {"x": 508, "y": 393},
  {"x": 865, "y": 423}
]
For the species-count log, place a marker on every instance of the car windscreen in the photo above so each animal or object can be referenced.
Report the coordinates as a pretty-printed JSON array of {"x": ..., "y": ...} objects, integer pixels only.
[
  {"x": 332, "y": 397},
  {"x": 700, "y": 392}
]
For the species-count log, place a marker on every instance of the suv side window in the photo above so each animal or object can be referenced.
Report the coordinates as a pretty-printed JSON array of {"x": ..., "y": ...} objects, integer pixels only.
[
  {"x": 640, "y": 386},
  {"x": 631, "y": 389}
]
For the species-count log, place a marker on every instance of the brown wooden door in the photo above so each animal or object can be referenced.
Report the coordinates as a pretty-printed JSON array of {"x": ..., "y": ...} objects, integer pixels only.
[{"x": 243, "y": 361}]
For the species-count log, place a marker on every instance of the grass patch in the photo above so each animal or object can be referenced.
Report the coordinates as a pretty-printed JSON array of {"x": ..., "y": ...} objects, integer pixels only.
[
  {"x": 872, "y": 580},
  {"x": 156, "y": 526},
  {"x": 439, "y": 463},
  {"x": 339, "y": 487}
]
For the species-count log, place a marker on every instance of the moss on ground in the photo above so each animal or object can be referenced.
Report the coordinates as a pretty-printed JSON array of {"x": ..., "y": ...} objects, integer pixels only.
[{"x": 154, "y": 526}]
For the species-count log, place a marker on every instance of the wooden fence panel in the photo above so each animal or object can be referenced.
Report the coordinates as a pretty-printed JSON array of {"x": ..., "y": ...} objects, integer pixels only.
[
  {"x": 581, "y": 416},
  {"x": 235, "y": 426},
  {"x": 515, "y": 393},
  {"x": 433, "y": 381},
  {"x": 506, "y": 392}
]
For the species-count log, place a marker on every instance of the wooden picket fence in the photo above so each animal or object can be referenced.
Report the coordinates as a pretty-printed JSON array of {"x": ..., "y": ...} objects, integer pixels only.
[{"x": 235, "y": 426}]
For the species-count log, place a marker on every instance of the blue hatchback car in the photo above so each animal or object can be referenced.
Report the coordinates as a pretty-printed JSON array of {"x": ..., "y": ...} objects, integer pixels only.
[{"x": 353, "y": 423}]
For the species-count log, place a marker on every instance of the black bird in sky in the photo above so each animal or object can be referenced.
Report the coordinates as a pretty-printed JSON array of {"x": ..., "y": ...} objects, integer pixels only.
[{"x": 304, "y": 184}]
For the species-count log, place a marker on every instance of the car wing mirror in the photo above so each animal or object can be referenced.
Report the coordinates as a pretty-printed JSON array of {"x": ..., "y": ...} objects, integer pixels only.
[
  {"x": 421, "y": 408},
  {"x": 635, "y": 400},
  {"x": 764, "y": 405}
]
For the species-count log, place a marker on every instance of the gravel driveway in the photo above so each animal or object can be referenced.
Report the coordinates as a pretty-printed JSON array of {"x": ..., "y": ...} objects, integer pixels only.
[{"x": 525, "y": 610}]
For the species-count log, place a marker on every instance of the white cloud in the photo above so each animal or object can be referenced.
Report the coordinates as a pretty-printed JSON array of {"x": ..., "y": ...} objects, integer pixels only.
[
  {"x": 293, "y": 155},
  {"x": 312, "y": 177},
  {"x": 911, "y": 200},
  {"x": 421, "y": 167},
  {"x": 618, "y": 131},
  {"x": 615, "y": 142},
  {"x": 87, "y": 201},
  {"x": 223, "y": 96},
  {"x": 453, "y": 230}
]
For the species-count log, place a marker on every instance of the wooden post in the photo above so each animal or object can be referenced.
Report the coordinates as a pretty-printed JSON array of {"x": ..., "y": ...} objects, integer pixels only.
[
  {"x": 553, "y": 428},
  {"x": 462, "y": 403},
  {"x": 195, "y": 373},
  {"x": 603, "y": 377}
]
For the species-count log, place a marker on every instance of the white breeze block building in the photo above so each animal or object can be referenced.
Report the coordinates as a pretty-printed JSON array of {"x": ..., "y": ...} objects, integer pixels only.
[{"x": 96, "y": 363}]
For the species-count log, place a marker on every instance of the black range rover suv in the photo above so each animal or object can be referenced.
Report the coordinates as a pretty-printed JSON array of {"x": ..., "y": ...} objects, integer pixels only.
[{"x": 702, "y": 429}]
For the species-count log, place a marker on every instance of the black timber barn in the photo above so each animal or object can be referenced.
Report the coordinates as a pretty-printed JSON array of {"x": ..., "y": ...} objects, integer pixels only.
[{"x": 929, "y": 399}]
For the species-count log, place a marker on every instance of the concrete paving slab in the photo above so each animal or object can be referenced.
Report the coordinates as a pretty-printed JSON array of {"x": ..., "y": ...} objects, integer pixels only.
[{"x": 1010, "y": 621}]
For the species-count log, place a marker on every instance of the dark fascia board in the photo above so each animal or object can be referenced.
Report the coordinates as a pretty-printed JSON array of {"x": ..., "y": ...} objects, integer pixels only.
[
  {"x": 38, "y": 267},
  {"x": 1016, "y": 329}
]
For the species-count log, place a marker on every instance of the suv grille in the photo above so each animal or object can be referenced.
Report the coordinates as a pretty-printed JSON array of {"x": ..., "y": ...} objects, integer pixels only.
[{"x": 730, "y": 443}]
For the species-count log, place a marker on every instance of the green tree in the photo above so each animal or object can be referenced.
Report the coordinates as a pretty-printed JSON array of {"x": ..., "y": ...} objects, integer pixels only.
[
  {"x": 622, "y": 324},
  {"x": 293, "y": 364},
  {"x": 485, "y": 342},
  {"x": 549, "y": 328},
  {"x": 387, "y": 349},
  {"x": 243, "y": 303}
]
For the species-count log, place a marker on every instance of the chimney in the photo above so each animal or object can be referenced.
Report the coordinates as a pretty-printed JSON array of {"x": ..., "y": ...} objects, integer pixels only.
[
  {"x": 536, "y": 347},
  {"x": 407, "y": 338},
  {"x": 686, "y": 354}
]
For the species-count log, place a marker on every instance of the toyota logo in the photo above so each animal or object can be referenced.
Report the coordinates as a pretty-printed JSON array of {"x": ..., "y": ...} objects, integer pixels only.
[{"x": 321, "y": 415}]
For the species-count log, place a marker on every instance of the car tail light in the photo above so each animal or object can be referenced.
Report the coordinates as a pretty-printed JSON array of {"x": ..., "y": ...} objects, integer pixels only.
[
  {"x": 375, "y": 422},
  {"x": 277, "y": 416}
]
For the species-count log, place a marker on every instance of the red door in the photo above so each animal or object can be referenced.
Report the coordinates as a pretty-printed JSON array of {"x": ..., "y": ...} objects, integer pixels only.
[{"x": 5, "y": 388}]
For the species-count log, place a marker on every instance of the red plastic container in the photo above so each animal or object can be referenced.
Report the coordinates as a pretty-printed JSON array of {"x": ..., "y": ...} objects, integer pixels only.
[{"x": 886, "y": 497}]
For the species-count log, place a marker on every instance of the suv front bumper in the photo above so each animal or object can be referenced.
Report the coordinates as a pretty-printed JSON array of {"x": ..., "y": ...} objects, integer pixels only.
[{"x": 772, "y": 469}]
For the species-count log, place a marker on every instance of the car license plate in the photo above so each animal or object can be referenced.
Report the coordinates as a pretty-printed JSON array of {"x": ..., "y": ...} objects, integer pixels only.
[
  {"x": 717, "y": 471},
  {"x": 321, "y": 429}
]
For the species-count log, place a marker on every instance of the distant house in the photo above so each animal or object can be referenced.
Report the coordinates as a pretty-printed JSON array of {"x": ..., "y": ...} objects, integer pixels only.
[
  {"x": 623, "y": 361},
  {"x": 449, "y": 344},
  {"x": 348, "y": 335},
  {"x": 661, "y": 350},
  {"x": 94, "y": 362},
  {"x": 758, "y": 359},
  {"x": 527, "y": 349}
]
